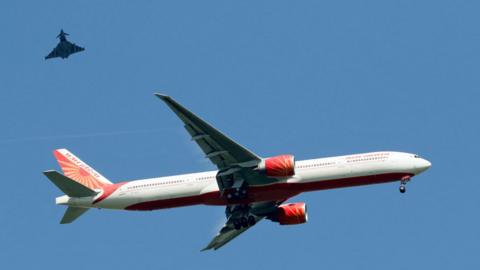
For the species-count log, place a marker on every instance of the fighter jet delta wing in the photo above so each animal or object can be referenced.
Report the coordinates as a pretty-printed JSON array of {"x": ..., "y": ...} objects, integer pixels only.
[
  {"x": 54, "y": 53},
  {"x": 74, "y": 48}
]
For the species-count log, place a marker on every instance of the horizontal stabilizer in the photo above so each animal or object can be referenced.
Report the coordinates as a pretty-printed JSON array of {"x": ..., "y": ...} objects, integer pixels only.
[
  {"x": 72, "y": 213},
  {"x": 69, "y": 186}
]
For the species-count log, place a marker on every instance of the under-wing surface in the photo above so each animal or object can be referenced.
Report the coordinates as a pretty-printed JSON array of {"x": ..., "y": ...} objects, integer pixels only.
[{"x": 64, "y": 48}]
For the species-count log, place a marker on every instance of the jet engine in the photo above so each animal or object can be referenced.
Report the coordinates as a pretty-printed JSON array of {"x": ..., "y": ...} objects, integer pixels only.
[
  {"x": 290, "y": 214},
  {"x": 278, "y": 166}
]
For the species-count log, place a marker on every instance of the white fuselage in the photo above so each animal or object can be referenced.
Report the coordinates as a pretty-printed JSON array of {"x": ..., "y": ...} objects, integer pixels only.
[{"x": 202, "y": 188}]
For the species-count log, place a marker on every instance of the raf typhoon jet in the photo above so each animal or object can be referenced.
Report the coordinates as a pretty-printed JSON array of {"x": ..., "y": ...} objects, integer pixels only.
[
  {"x": 250, "y": 187},
  {"x": 64, "y": 48}
]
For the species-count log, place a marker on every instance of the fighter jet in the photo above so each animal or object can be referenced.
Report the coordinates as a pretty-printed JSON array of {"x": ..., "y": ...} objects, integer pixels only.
[{"x": 64, "y": 48}]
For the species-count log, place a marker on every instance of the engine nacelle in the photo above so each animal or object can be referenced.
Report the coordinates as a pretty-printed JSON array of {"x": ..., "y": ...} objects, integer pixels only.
[
  {"x": 290, "y": 214},
  {"x": 279, "y": 166}
]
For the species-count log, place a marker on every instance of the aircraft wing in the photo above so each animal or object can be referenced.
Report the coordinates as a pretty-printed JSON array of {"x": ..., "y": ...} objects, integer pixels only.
[
  {"x": 221, "y": 150},
  {"x": 228, "y": 232},
  {"x": 54, "y": 53},
  {"x": 75, "y": 48}
]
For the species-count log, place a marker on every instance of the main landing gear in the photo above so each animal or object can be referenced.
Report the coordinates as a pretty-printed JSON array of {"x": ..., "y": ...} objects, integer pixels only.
[
  {"x": 244, "y": 222},
  {"x": 237, "y": 194},
  {"x": 240, "y": 216},
  {"x": 403, "y": 182}
]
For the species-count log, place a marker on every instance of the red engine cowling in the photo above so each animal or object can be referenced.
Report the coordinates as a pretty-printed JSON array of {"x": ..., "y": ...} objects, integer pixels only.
[
  {"x": 279, "y": 166},
  {"x": 292, "y": 213}
]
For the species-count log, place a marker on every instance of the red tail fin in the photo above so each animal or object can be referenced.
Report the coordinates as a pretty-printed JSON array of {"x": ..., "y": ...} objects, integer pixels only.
[{"x": 79, "y": 171}]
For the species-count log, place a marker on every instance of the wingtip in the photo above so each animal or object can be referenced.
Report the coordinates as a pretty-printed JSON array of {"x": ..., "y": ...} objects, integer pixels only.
[
  {"x": 162, "y": 96},
  {"x": 47, "y": 172}
]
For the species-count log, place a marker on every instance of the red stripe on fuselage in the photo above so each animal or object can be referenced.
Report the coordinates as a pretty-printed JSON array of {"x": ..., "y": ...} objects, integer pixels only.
[{"x": 273, "y": 192}]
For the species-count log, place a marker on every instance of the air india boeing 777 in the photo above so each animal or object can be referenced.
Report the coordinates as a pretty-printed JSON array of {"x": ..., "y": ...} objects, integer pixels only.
[{"x": 249, "y": 186}]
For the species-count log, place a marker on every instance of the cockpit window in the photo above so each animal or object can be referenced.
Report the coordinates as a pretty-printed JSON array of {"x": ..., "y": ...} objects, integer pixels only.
[{"x": 416, "y": 156}]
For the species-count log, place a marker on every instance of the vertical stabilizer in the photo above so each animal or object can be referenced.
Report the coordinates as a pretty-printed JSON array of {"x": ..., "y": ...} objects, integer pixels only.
[{"x": 79, "y": 171}]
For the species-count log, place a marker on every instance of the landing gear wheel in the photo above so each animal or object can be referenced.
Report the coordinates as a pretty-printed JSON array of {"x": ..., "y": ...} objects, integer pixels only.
[
  {"x": 251, "y": 220},
  {"x": 240, "y": 193},
  {"x": 244, "y": 222},
  {"x": 237, "y": 225},
  {"x": 403, "y": 182}
]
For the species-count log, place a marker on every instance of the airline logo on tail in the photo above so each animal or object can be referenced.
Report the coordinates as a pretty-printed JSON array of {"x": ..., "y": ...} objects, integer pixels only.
[{"x": 79, "y": 171}]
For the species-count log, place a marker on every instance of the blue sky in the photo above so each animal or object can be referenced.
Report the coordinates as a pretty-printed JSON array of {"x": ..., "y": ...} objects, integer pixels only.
[{"x": 310, "y": 78}]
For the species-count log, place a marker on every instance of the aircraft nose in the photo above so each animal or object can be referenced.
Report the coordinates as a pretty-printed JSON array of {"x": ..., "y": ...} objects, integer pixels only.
[{"x": 423, "y": 164}]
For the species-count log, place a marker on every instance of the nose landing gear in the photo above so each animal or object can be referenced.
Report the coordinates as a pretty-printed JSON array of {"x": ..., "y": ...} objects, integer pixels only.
[{"x": 403, "y": 182}]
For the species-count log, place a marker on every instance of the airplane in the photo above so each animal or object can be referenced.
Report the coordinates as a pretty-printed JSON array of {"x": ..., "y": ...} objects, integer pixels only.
[
  {"x": 251, "y": 188},
  {"x": 64, "y": 48}
]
